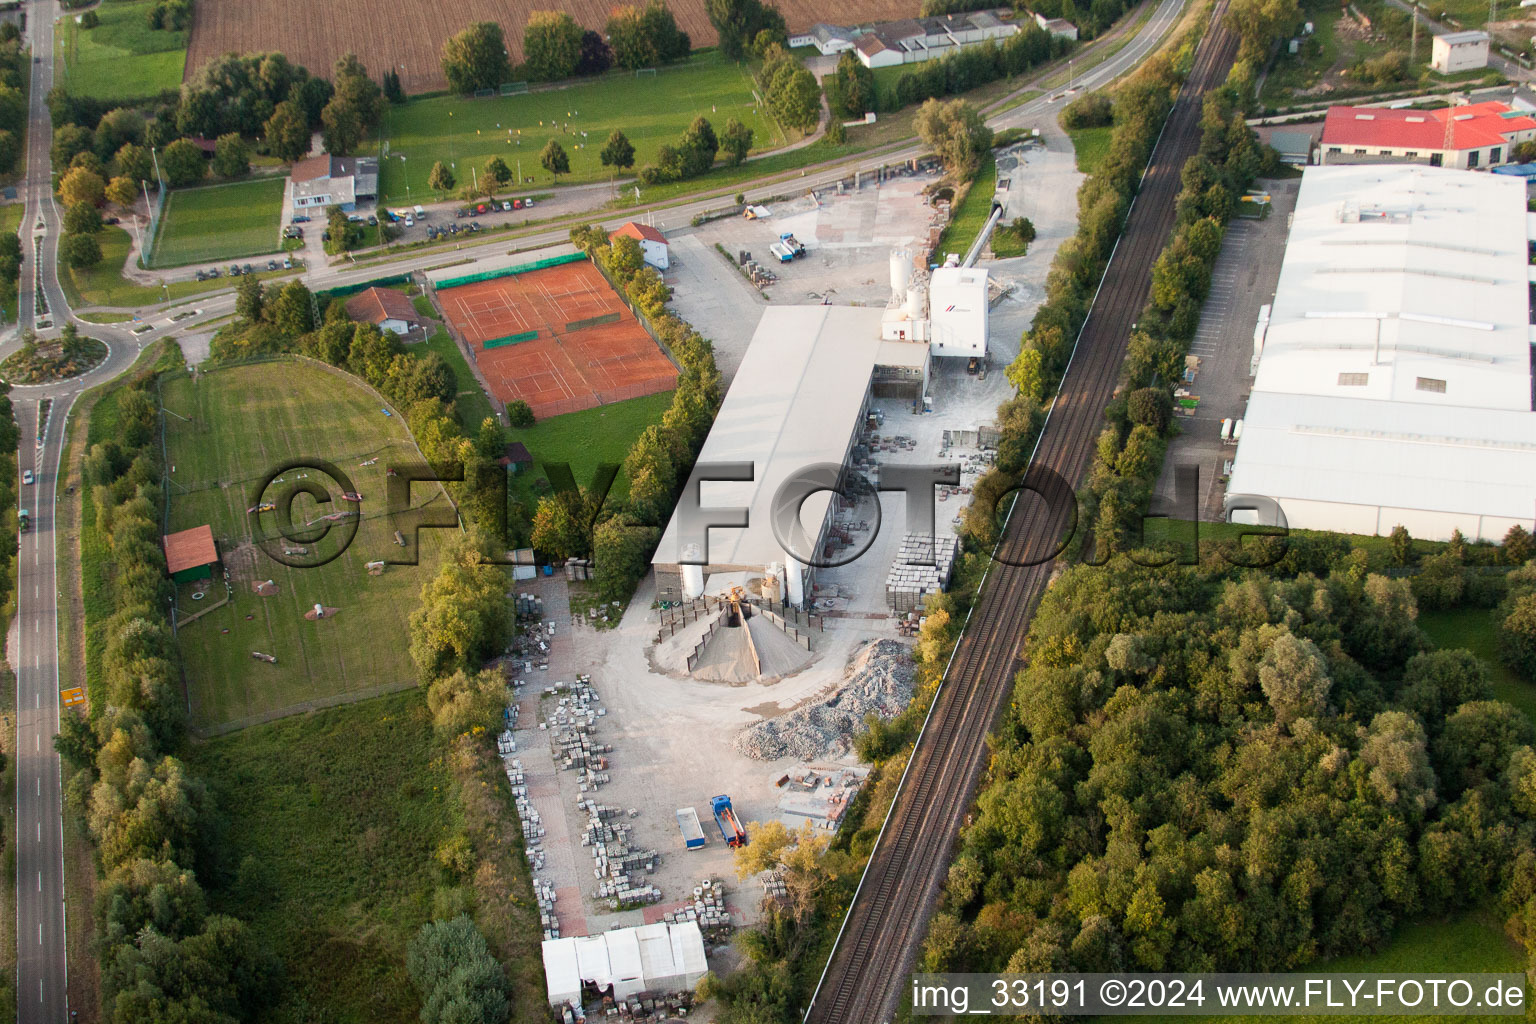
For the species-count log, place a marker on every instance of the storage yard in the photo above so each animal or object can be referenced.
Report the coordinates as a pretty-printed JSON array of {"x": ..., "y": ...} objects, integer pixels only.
[{"x": 749, "y": 678}]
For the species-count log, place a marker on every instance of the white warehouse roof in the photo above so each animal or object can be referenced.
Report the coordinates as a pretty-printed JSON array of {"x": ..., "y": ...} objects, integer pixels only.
[
  {"x": 1395, "y": 374},
  {"x": 650, "y": 958},
  {"x": 794, "y": 403}
]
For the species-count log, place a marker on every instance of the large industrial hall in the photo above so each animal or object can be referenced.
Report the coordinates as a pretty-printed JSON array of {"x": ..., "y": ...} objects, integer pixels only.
[{"x": 1394, "y": 382}]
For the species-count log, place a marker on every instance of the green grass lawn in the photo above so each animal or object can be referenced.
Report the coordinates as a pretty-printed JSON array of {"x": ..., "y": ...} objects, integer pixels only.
[
  {"x": 332, "y": 822},
  {"x": 122, "y": 58},
  {"x": 465, "y": 133},
  {"x": 1471, "y": 943},
  {"x": 105, "y": 285},
  {"x": 1091, "y": 144},
  {"x": 1473, "y": 630},
  {"x": 586, "y": 439},
  {"x": 240, "y": 423},
  {"x": 10, "y": 223},
  {"x": 970, "y": 216},
  {"x": 220, "y": 222}
]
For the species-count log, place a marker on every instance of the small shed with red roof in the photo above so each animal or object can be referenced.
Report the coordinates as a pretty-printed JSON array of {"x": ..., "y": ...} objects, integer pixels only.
[{"x": 190, "y": 554}]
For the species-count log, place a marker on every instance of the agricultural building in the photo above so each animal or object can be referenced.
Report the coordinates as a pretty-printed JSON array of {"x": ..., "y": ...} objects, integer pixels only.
[
  {"x": 1469, "y": 137},
  {"x": 386, "y": 309},
  {"x": 798, "y": 401},
  {"x": 653, "y": 244},
  {"x": 656, "y": 958},
  {"x": 1393, "y": 380},
  {"x": 830, "y": 40},
  {"x": 1459, "y": 51},
  {"x": 914, "y": 40},
  {"x": 190, "y": 554},
  {"x": 326, "y": 180}
]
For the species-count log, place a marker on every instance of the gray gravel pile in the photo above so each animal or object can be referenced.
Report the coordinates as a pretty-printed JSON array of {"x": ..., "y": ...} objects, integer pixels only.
[{"x": 878, "y": 680}]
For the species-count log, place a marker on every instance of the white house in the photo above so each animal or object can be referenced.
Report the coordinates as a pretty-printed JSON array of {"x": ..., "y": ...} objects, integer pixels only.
[
  {"x": 326, "y": 180},
  {"x": 1459, "y": 51},
  {"x": 653, "y": 244},
  {"x": 385, "y": 308},
  {"x": 913, "y": 40}
]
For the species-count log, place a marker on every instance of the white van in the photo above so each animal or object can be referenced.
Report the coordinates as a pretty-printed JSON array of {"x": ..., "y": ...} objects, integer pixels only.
[{"x": 421, "y": 214}]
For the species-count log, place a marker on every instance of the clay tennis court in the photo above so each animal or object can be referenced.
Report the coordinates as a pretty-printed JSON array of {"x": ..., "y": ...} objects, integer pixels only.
[{"x": 568, "y": 363}]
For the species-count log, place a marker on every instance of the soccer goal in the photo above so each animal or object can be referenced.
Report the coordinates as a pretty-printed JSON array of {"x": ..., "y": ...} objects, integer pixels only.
[
  {"x": 513, "y": 88},
  {"x": 641, "y": 72}
]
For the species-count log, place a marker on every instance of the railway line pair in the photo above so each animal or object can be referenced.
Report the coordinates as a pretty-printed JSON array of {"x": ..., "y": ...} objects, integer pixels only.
[{"x": 879, "y": 940}]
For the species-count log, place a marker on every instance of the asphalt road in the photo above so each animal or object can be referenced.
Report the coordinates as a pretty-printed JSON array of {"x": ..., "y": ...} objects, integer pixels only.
[{"x": 42, "y": 969}]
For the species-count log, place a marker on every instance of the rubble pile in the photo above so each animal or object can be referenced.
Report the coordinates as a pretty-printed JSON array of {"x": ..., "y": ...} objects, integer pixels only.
[{"x": 879, "y": 681}]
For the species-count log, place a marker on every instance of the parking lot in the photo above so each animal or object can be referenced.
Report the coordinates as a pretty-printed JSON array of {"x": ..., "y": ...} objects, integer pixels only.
[{"x": 1243, "y": 279}]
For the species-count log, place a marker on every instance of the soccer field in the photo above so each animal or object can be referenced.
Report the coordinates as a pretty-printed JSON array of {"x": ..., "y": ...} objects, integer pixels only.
[
  {"x": 225, "y": 431},
  {"x": 220, "y": 222},
  {"x": 651, "y": 110}
]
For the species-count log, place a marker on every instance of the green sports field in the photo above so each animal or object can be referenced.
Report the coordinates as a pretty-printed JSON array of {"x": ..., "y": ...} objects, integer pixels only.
[
  {"x": 122, "y": 58},
  {"x": 225, "y": 431},
  {"x": 220, "y": 222},
  {"x": 651, "y": 110}
]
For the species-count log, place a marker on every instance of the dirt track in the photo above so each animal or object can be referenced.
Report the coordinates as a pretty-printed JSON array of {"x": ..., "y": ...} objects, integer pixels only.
[{"x": 411, "y": 37}]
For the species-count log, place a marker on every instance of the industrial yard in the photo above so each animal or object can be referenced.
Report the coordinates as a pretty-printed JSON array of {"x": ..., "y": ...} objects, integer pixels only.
[{"x": 624, "y": 735}]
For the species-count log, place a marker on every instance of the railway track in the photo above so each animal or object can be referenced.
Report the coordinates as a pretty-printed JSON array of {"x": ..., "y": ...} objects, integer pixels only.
[{"x": 879, "y": 940}]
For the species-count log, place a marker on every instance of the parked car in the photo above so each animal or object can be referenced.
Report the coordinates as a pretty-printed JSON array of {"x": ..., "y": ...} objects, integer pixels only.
[
  {"x": 248, "y": 269},
  {"x": 234, "y": 270},
  {"x": 410, "y": 222},
  {"x": 26, "y": 476},
  {"x": 506, "y": 204},
  {"x": 454, "y": 228},
  {"x": 372, "y": 221},
  {"x": 202, "y": 275},
  {"x": 287, "y": 263},
  {"x": 300, "y": 218},
  {"x": 271, "y": 264},
  {"x": 214, "y": 272},
  {"x": 527, "y": 204},
  {"x": 355, "y": 218},
  {"x": 431, "y": 232},
  {"x": 325, "y": 236}
]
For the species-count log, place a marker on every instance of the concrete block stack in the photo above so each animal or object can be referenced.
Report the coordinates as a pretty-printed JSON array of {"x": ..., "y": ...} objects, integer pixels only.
[
  {"x": 615, "y": 862},
  {"x": 708, "y": 909},
  {"x": 529, "y": 606},
  {"x": 578, "y": 569},
  {"x": 909, "y": 582}
]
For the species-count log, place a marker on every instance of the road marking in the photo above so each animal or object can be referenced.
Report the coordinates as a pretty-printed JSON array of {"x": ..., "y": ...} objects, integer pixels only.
[
  {"x": 39, "y": 881},
  {"x": 39, "y": 785},
  {"x": 39, "y": 933},
  {"x": 39, "y": 831},
  {"x": 37, "y": 625},
  {"x": 38, "y": 741}
]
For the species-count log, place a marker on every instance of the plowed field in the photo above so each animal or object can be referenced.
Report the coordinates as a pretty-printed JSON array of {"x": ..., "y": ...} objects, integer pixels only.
[{"x": 411, "y": 37}]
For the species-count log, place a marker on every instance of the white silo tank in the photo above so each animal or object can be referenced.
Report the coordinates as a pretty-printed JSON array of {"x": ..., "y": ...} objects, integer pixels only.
[
  {"x": 914, "y": 303},
  {"x": 693, "y": 575},
  {"x": 795, "y": 582},
  {"x": 901, "y": 271}
]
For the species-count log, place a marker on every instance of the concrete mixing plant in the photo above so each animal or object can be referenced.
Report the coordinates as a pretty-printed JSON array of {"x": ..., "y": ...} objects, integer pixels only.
[{"x": 954, "y": 318}]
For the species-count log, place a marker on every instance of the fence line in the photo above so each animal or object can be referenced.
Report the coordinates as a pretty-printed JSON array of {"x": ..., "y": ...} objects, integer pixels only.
[{"x": 152, "y": 233}]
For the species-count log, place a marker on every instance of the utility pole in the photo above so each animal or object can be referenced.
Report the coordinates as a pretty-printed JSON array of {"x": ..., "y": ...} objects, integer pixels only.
[{"x": 1413, "y": 50}]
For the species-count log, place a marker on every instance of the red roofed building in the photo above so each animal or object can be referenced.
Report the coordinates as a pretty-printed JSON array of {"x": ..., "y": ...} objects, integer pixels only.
[
  {"x": 190, "y": 554},
  {"x": 653, "y": 244},
  {"x": 386, "y": 309},
  {"x": 1481, "y": 135}
]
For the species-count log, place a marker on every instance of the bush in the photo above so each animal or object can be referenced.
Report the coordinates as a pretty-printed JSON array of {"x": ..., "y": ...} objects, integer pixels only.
[
  {"x": 1091, "y": 111},
  {"x": 519, "y": 413}
]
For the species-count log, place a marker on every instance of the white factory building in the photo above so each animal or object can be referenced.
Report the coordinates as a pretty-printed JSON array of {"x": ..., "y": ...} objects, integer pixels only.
[
  {"x": 654, "y": 958},
  {"x": 799, "y": 398},
  {"x": 1394, "y": 379}
]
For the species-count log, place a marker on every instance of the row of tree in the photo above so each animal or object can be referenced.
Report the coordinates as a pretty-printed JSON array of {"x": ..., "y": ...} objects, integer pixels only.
[
  {"x": 163, "y": 954},
  {"x": 13, "y": 100},
  {"x": 694, "y": 153},
  {"x": 621, "y": 537},
  {"x": 973, "y": 66},
  {"x": 556, "y": 47},
  {"x": 792, "y": 93}
]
